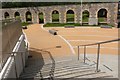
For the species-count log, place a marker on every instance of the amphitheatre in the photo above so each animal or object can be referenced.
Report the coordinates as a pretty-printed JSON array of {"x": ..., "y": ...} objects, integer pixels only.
[{"x": 61, "y": 42}]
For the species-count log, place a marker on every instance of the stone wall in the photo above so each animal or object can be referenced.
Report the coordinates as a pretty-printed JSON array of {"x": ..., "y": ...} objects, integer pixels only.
[{"x": 93, "y": 8}]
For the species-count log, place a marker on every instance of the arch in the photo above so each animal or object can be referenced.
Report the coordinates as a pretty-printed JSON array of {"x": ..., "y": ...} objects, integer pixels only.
[
  {"x": 41, "y": 17},
  {"x": 28, "y": 16},
  {"x": 17, "y": 15},
  {"x": 55, "y": 16},
  {"x": 6, "y": 15},
  {"x": 102, "y": 15},
  {"x": 85, "y": 17},
  {"x": 70, "y": 16}
]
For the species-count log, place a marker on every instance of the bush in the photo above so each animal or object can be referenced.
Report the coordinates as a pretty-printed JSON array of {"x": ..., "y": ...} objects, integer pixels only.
[
  {"x": 60, "y": 24},
  {"x": 25, "y": 23}
]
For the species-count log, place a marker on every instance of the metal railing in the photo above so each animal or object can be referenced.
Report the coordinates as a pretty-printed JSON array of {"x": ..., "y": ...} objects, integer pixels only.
[
  {"x": 98, "y": 51},
  {"x": 13, "y": 60},
  {"x": 22, "y": 59}
]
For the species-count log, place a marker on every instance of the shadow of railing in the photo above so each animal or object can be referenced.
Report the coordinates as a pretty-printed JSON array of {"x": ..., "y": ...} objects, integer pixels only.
[
  {"x": 53, "y": 65},
  {"x": 52, "y": 68},
  {"x": 98, "y": 51}
]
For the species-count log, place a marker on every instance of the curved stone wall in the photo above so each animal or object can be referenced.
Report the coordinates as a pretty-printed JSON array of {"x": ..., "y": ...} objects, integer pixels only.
[{"x": 93, "y": 8}]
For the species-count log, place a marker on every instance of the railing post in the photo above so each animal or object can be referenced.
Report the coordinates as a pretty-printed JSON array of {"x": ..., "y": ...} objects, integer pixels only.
[
  {"x": 84, "y": 53},
  {"x": 78, "y": 52},
  {"x": 22, "y": 60},
  {"x": 98, "y": 55},
  {"x": 15, "y": 65}
]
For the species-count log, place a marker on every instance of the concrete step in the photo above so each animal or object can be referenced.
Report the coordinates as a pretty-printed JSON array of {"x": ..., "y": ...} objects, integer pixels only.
[
  {"x": 73, "y": 66},
  {"x": 72, "y": 72},
  {"x": 30, "y": 75},
  {"x": 70, "y": 69},
  {"x": 97, "y": 75},
  {"x": 57, "y": 65},
  {"x": 76, "y": 74},
  {"x": 64, "y": 69}
]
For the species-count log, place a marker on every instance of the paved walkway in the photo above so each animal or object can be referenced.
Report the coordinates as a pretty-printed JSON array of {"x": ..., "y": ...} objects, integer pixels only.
[
  {"x": 49, "y": 61},
  {"x": 40, "y": 39},
  {"x": 89, "y": 35}
]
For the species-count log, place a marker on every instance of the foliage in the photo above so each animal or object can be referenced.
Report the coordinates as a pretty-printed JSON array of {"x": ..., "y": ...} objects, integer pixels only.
[
  {"x": 33, "y": 4},
  {"x": 101, "y": 19},
  {"x": 25, "y": 24},
  {"x": 60, "y": 24}
]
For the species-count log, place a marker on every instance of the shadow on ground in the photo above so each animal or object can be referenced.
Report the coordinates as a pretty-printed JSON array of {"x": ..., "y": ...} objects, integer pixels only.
[{"x": 38, "y": 59}]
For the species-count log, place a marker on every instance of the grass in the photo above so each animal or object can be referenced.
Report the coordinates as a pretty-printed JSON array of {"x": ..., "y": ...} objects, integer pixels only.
[
  {"x": 65, "y": 24},
  {"x": 72, "y": 24},
  {"x": 60, "y": 24},
  {"x": 101, "y": 19},
  {"x": 25, "y": 23}
]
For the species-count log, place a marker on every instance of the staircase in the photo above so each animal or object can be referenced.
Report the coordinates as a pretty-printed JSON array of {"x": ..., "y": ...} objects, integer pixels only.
[{"x": 62, "y": 70}]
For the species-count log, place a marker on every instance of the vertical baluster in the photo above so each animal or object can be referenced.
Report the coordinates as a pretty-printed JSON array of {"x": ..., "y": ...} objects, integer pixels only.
[
  {"x": 98, "y": 54},
  {"x": 78, "y": 53},
  {"x": 15, "y": 65},
  {"x": 84, "y": 53},
  {"x": 22, "y": 60}
]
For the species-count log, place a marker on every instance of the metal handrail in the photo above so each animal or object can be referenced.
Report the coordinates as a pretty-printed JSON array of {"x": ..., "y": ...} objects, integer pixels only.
[
  {"x": 98, "y": 52},
  {"x": 101, "y": 42}
]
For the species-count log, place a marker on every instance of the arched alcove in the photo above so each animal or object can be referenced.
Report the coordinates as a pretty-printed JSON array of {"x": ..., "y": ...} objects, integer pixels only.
[
  {"x": 17, "y": 15},
  {"x": 102, "y": 15},
  {"x": 28, "y": 16},
  {"x": 6, "y": 15},
  {"x": 70, "y": 16},
  {"x": 55, "y": 16},
  {"x": 85, "y": 17},
  {"x": 41, "y": 17}
]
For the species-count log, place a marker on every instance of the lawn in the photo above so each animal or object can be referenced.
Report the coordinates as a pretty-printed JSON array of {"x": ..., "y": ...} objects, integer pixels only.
[
  {"x": 25, "y": 23},
  {"x": 101, "y": 19},
  {"x": 60, "y": 24}
]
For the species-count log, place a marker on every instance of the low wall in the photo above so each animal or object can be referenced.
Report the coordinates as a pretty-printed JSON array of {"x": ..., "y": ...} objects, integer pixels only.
[
  {"x": 11, "y": 32},
  {"x": 16, "y": 62}
]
